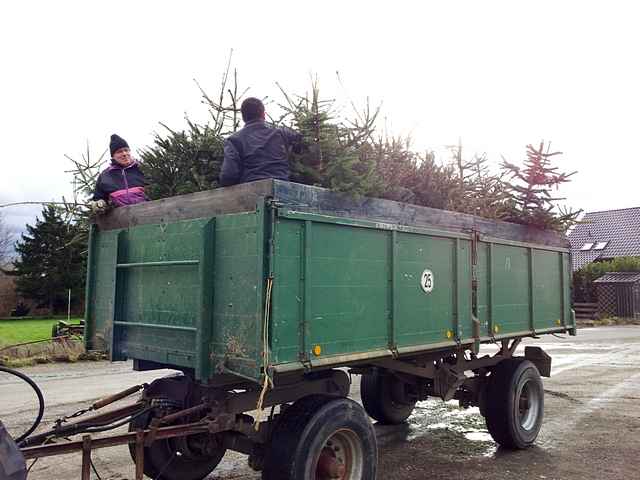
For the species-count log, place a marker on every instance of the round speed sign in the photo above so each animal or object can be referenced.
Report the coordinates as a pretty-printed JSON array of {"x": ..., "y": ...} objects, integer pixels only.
[{"x": 426, "y": 281}]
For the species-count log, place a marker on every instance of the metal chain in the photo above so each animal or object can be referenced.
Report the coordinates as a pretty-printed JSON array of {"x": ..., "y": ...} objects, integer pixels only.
[{"x": 79, "y": 413}]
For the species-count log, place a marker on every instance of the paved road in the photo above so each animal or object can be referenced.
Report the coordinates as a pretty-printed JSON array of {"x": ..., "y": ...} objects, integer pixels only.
[{"x": 591, "y": 428}]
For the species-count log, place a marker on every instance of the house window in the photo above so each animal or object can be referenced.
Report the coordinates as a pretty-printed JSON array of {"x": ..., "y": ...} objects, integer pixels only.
[
  {"x": 600, "y": 245},
  {"x": 587, "y": 246}
]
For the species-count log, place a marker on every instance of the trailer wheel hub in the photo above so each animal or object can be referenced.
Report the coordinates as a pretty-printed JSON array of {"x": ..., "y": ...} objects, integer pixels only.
[
  {"x": 329, "y": 466},
  {"x": 341, "y": 458},
  {"x": 529, "y": 405}
]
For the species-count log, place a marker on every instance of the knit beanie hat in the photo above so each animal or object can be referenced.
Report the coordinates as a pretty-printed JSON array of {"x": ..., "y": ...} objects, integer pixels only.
[{"x": 117, "y": 143}]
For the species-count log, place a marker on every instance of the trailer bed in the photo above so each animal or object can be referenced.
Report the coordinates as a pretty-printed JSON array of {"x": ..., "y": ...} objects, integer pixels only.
[{"x": 291, "y": 278}]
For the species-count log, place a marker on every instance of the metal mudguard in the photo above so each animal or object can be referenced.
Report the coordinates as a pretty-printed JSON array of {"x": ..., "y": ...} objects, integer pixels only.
[
  {"x": 12, "y": 463},
  {"x": 540, "y": 359}
]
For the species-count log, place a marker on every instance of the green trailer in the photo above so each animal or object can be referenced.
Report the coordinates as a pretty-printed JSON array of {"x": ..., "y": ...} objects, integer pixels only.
[{"x": 270, "y": 295}]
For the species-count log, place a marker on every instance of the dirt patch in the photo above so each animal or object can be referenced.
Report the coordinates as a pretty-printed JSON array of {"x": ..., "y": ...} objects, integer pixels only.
[
  {"x": 59, "y": 350},
  {"x": 562, "y": 395},
  {"x": 235, "y": 346}
]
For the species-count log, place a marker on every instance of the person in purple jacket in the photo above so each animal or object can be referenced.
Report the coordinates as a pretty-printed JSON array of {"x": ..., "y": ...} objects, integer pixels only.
[{"x": 122, "y": 183}]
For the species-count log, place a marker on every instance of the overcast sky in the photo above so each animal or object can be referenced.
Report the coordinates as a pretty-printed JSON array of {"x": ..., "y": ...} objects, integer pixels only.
[{"x": 498, "y": 75}]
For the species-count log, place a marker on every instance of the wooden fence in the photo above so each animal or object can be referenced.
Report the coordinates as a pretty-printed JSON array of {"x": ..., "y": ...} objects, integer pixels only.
[{"x": 586, "y": 311}]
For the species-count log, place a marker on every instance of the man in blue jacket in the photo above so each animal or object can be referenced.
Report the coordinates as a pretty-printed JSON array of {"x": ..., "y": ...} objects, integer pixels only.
[
  {"x": 122, "y": 183},
  {"x": 258, "y": 150}
]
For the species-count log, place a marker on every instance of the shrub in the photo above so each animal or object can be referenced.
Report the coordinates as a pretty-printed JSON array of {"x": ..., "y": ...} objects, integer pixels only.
[{"x": 584, "y": 290}]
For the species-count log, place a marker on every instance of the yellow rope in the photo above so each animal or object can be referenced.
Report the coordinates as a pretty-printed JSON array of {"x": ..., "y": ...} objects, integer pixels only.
[{"x": 268, "y": 382}]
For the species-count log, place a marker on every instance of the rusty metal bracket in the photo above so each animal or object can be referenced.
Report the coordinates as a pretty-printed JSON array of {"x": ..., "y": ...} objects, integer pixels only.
[
  {"x": 305, "y": 361},
  {"x": 153, "y": 432},
  {"x": 514, "y": 345},
  {"x": 102, "y": 419},
  {"x": 117, "y": 396},
  {"x": 427, "y": 371},
  {"x": 203, "y": 407},
  {"x": 446, "y": 381},
  {"x": 60, "y": 448}
]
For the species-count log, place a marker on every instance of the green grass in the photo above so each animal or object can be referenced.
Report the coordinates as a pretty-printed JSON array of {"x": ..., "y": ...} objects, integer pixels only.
[{"x": 21, "y": 331}]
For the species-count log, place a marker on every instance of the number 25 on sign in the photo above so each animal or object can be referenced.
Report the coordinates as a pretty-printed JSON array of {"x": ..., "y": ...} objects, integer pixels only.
[{"x": 426, "y": 281}]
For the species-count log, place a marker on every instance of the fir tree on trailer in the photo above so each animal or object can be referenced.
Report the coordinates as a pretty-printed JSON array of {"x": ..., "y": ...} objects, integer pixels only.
[
  {"x": 182, "y": 161},
  {"x": 530, "y": 199},
  {"x": 340, "y": 154},
  {"x": 475, "y": 188}
]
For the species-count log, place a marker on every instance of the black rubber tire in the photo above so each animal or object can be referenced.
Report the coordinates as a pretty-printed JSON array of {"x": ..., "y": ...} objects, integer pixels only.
[
  {"x": 162, "y": 462},
  {"x": 301, "y": 433},
  {"x": 376, "y": 392},
  {"x": 18, "y": 440},
  {"x": 511, "y": 424}
]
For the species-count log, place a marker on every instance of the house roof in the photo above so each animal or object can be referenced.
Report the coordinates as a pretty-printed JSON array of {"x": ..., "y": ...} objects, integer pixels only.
[
  {"x": 619, "y": 277},
  {"x": 619, "y": 228}
]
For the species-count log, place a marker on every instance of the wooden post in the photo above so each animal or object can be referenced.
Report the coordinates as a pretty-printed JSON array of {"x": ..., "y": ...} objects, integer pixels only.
[
  {"x": 139, "y": 455},
  {"x": 86, "y": 457}
]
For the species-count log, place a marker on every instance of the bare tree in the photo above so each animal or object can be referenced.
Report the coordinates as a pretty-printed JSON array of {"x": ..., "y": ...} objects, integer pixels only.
[{"x": 6, "y": 243}]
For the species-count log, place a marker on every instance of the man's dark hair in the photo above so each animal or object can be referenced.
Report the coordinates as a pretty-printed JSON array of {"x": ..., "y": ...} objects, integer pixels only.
[{"x": 252, "y": 109}]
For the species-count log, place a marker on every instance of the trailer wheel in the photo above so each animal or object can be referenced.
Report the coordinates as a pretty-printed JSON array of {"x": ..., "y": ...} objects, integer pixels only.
[
  {"x": 180, "y": 458},
  {"x": 514, "y": 403},
  {"x": 320, "y": 438},
  {"x": 383, "y": 398}
]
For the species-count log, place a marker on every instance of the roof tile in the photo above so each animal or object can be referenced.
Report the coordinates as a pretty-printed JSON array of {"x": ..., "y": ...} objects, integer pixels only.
[
  {"x": 619, "y": 277},
  {"x": 621, "y": 228}
]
